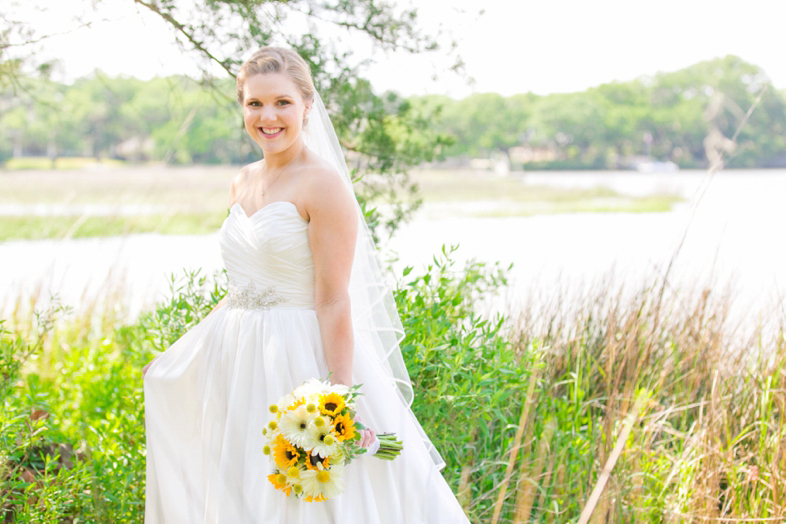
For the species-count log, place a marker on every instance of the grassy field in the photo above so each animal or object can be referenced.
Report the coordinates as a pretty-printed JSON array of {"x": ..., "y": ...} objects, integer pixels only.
[{"x": 194, "y": 199}]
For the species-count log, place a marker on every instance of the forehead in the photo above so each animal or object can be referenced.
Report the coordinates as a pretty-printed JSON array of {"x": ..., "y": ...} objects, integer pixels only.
[{"x": 270, "y": 85}]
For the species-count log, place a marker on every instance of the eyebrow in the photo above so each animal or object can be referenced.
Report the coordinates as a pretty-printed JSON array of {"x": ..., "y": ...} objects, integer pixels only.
[{"x": 277, "y": 97}]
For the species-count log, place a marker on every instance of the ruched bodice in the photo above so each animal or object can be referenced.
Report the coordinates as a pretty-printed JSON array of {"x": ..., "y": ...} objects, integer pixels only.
[{"x": 267, "y": 257}]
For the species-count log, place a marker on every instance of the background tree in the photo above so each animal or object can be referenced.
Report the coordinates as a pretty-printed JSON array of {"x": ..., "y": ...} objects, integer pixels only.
[
  {"x": 384, "y": 135},
  {"x": 681, "y": 116},
  {"x": 371, "y": 127}
]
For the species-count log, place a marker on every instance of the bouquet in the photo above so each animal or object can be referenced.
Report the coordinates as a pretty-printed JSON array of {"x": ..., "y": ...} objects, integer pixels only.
[{"x": 314, "y": 434}]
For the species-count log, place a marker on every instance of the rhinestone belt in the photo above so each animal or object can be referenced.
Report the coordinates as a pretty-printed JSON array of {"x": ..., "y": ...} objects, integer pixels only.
[{"x": 249, "y": 297}]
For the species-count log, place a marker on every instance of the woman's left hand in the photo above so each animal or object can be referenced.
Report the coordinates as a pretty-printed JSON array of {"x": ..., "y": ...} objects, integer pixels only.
[{"x": 367, "y": 436}]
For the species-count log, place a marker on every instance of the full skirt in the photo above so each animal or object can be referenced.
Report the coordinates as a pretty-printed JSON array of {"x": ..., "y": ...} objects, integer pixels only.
[{"x": 206, "y": 402}]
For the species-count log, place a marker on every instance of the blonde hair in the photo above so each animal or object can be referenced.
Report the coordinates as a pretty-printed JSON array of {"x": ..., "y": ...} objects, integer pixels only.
[{"x": 271, "y": 59}]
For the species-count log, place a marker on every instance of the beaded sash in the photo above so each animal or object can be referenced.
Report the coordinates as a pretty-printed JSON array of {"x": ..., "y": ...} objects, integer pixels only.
[{"x": 249, "y": 297}]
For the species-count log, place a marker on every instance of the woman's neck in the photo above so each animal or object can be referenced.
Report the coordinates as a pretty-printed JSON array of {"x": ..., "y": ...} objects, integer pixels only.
[{"x": 281, "y": 159}]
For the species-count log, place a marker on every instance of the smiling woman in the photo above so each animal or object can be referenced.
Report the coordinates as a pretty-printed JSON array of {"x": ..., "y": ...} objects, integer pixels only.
[
  {"x": 306, "y": 300},
  {"x": 273, "y": 110}
]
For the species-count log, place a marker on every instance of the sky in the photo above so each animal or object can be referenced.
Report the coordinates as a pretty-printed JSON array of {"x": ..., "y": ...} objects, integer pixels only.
[{"x": 513, "y": 46}]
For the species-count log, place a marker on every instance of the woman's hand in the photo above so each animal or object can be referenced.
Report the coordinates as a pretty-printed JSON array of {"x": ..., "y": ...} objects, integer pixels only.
[{"x": 367, "y": 436}]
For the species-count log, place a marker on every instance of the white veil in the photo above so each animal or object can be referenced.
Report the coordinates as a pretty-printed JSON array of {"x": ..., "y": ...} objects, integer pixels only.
[{"x": 375, "y": 319}]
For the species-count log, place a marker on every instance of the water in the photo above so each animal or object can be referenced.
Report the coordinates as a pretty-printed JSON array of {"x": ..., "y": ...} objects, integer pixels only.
[{"x": 731, "y": 237}]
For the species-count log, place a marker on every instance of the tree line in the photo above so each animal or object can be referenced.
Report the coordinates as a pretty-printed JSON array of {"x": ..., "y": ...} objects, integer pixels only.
[{"x": 688, "y": 117}]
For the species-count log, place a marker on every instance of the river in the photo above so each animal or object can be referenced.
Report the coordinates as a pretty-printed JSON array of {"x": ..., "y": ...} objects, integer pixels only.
[{"x": 730, "y": 224}]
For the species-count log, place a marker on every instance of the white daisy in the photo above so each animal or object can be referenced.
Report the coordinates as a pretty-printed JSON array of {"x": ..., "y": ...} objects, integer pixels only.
[
  {"x": 313, "y": 387},
  {"x": 326, "y": 482},
  {"x": 309, "y": 388},
  {"x": 294, "y": 426},
  {"x": 320, "y": 440}
]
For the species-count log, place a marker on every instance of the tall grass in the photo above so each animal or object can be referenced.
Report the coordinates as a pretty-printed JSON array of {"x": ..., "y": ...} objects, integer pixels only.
[{"x": 632, "y": 408}]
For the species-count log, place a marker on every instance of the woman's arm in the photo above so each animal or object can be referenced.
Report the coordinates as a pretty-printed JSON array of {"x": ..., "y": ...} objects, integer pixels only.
[{"x": 332, "y": 233}]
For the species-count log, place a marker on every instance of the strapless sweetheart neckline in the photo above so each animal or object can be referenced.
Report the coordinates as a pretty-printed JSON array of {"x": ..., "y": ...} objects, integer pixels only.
[{"x": 286, "y": 203}]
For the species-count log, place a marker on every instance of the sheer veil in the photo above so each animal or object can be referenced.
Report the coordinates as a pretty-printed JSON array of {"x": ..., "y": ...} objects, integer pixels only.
[{"x": 374, "y": 315}]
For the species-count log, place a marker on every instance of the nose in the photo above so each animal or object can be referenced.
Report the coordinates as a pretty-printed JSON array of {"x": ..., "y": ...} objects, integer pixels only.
[{"x": 267, "y": 114}]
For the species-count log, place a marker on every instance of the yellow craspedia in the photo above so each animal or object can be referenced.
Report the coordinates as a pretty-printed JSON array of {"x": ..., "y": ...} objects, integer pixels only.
[
  {"x": 273, "y": 425},
  {"x": 293, "y": 472},
  {"x": 266, "y": 450},
  {"x": 298, "y": 489},
  {"x": 282, "y": 479},
  {"x": 273, "y": 408},
  {"x": 319, "y": 422},
  {"x": 311, "y": 408},
  {"x": 323, "y": 476},
  {"x": 328, "y": 440},
  {"x": 264, "y": 431}
]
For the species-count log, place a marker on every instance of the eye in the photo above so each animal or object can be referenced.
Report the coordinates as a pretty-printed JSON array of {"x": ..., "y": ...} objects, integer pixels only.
[
  {"x": 253, "y": 103},
  {"x": 283, "y": 102}
]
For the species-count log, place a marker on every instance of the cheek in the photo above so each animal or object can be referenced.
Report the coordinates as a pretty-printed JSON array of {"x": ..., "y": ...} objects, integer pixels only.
[{"x": 248, "y": 118}]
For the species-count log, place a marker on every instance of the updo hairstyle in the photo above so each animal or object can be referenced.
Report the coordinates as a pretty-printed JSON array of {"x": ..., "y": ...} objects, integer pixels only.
[{"x": 271, "y": 59}]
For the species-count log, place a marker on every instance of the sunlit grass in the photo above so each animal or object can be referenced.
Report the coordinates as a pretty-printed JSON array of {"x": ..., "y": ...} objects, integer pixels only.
[
  {"x": 650, "y": 204},
  {"x": 37, "y": 162},
  {"x": 525, "y": 409},
  {"x": 194, "y": 200},
  {"x": 61, "y": 227}
]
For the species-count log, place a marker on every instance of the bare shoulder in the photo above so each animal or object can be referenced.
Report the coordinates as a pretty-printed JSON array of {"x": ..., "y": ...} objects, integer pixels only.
[
  {"x": 325, "y": 188},
  {"x": 239, "y": 181}
]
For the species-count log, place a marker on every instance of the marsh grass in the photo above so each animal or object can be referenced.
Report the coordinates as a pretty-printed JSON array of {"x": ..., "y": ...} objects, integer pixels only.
[
  {"x": 526, "y": 410},
  {"x": 194, "y": 200},
  {"x": 30, "y": 227},
  {"x": 510, "y": 196},
  {"x": 37, "y": 162}
]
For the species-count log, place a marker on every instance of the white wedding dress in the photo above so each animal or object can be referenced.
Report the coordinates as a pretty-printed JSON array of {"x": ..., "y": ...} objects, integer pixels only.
[{"x": 207, "y": 398}]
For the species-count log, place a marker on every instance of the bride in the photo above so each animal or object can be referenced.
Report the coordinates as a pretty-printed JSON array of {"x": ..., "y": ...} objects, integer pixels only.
[{"x": 306, "y": 299}]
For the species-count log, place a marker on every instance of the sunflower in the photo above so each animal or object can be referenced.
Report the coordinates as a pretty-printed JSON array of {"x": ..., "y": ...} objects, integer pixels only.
[
  {"x": 315, "y": 461},
  {"x": 344, "y": 427},
  {"x": 279, "y": 481},
  {"x": 284, "y": 453},
  {"x": 331, "y": 404}
]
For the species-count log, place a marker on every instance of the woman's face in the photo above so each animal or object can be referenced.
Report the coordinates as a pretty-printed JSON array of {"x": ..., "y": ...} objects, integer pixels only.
[{"x": 273, "y": 111}]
